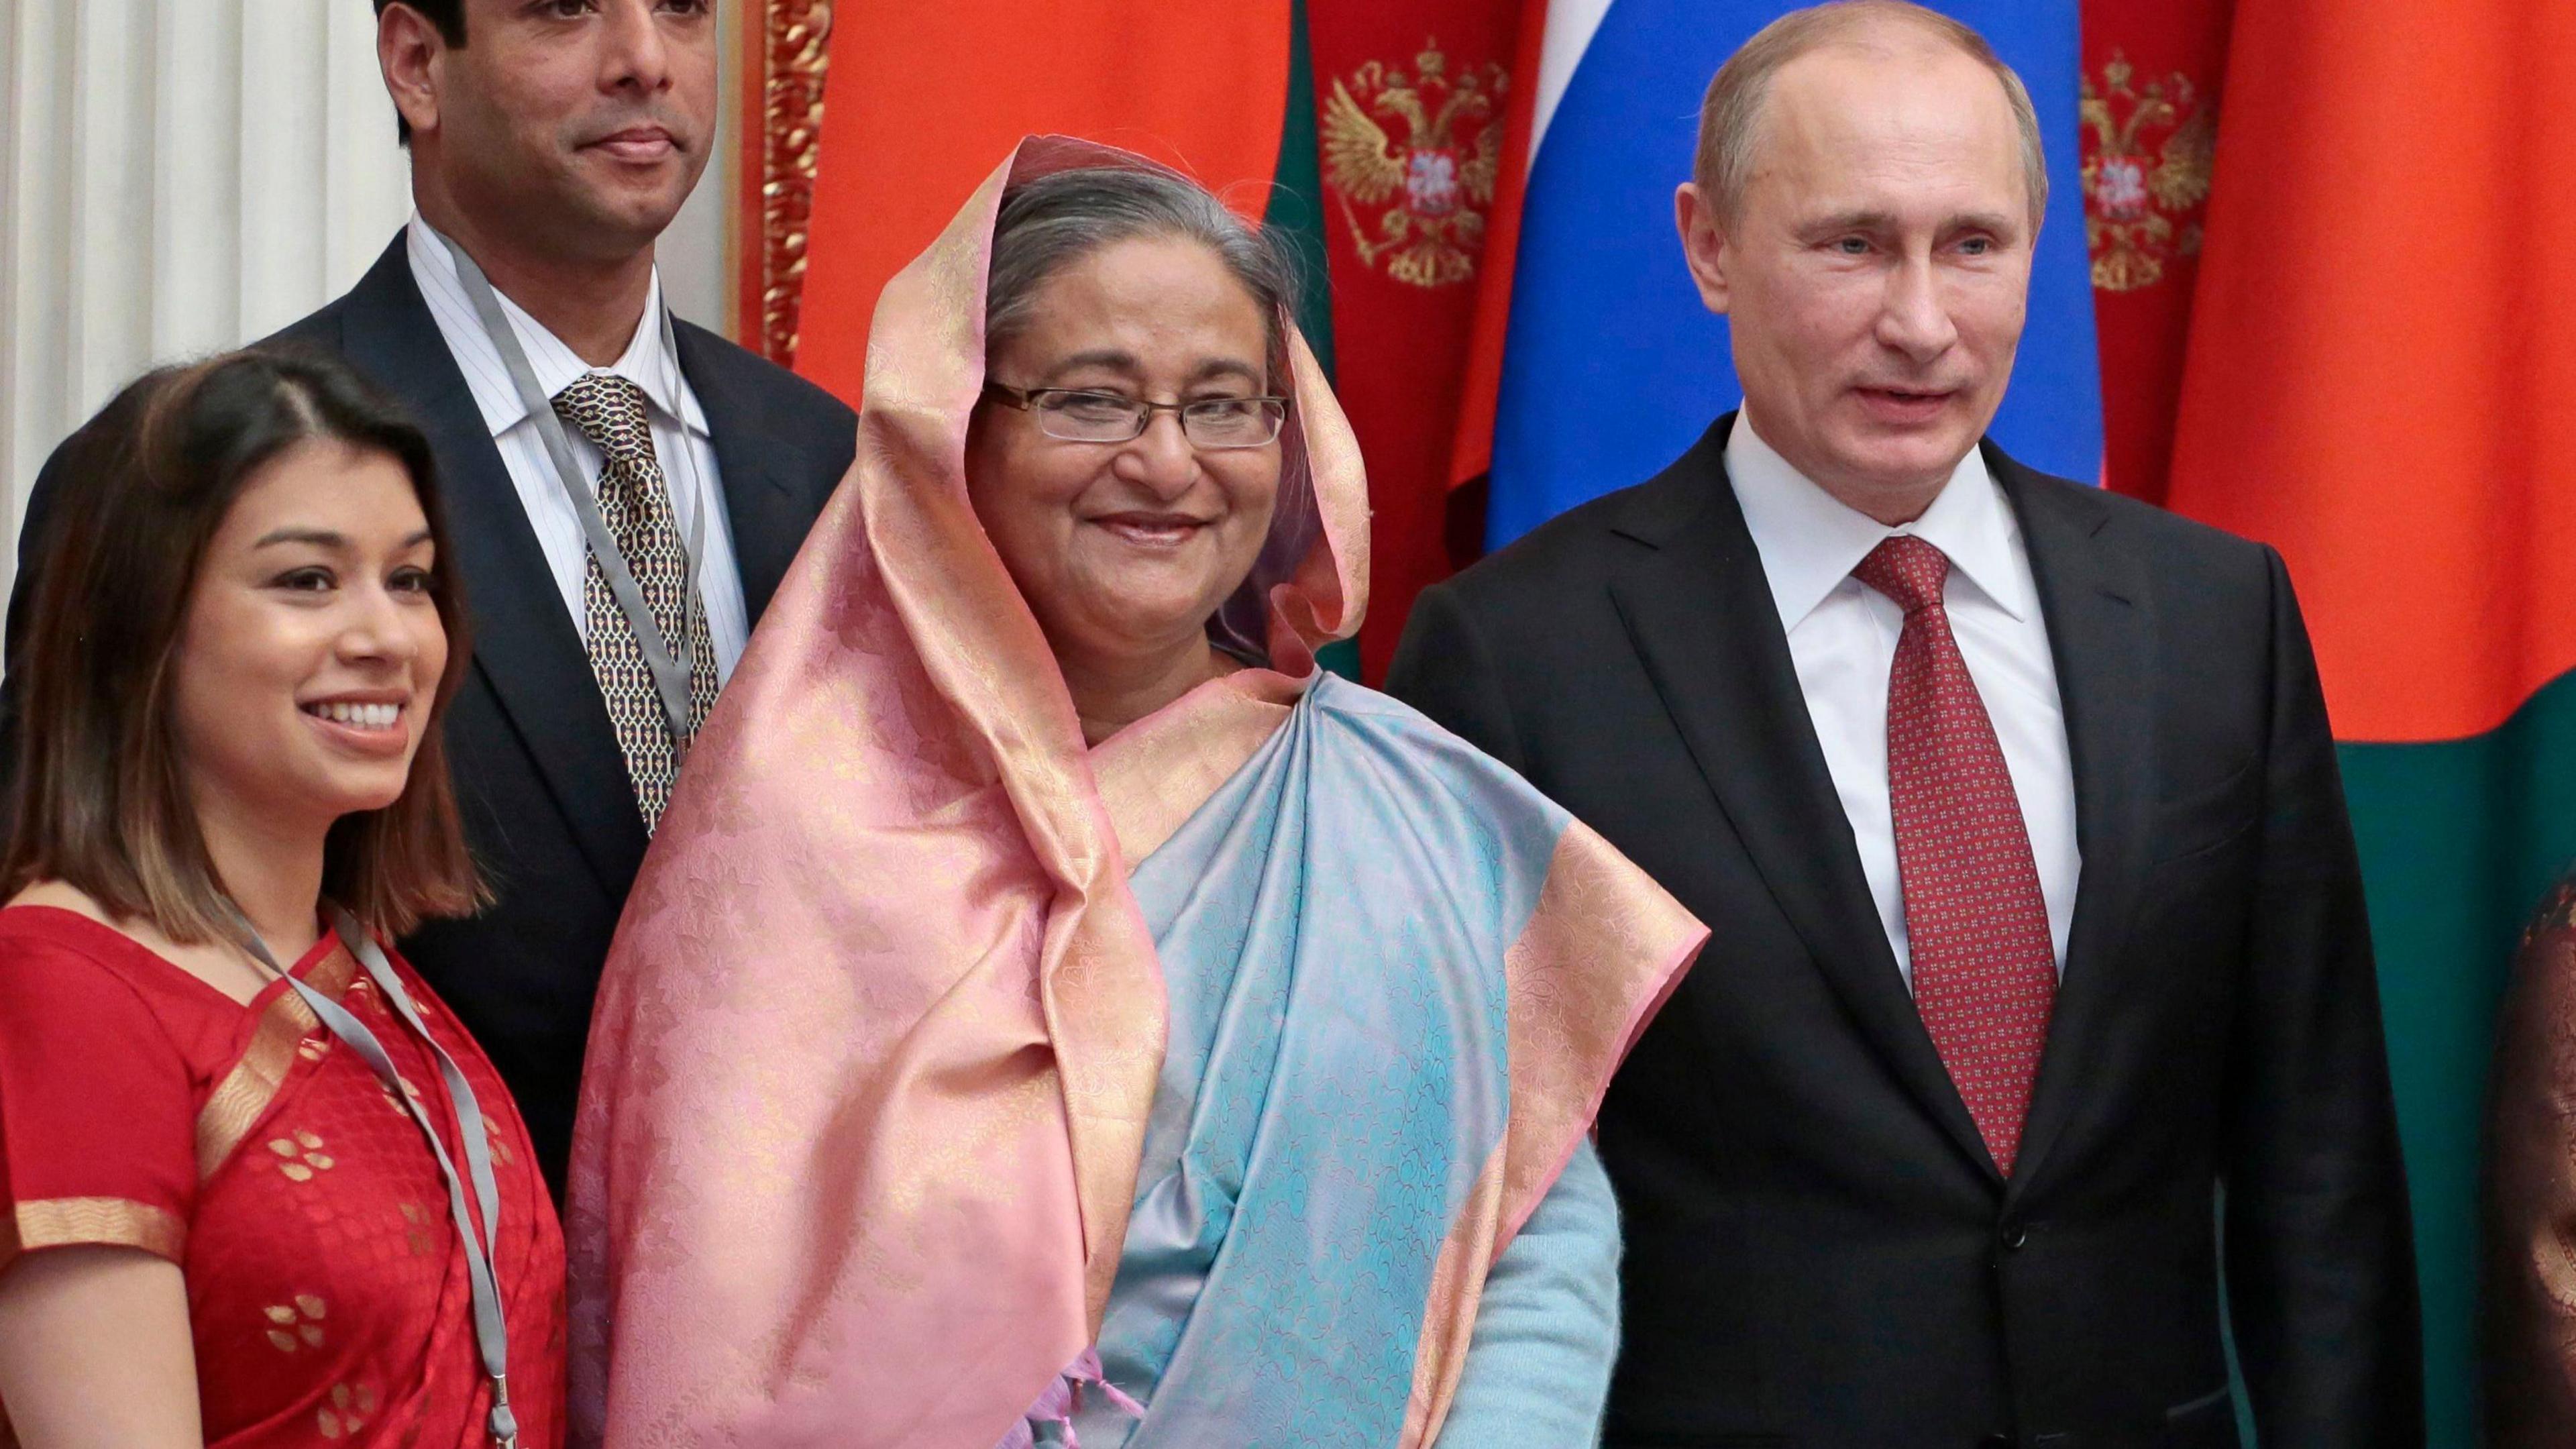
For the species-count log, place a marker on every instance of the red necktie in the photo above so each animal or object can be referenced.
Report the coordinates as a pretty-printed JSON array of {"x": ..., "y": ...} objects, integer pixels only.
[{"x": 1985, "y": 971}]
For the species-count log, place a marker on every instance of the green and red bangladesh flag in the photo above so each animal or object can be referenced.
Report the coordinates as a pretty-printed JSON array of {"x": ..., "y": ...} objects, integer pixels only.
[
  {"x": 2377, "y": 383},
  {"x": 2330, "y": 305}
]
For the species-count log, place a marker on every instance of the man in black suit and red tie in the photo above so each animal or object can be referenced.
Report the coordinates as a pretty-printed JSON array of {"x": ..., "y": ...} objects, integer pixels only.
[
  {"x": 625, "y": 490},
  {"x": 2041, "y": 983}
]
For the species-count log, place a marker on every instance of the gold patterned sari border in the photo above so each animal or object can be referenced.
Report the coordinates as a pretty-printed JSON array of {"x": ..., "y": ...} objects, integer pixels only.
[
  {"x": 1601, "y": 952},
  {"x": 1449, "y": 1311},
  {"x": 1156, "y": 773},
  {"x": 246, "y": 1092},
  {"x": 1603, "y": 948},
  {"x": 113, "y": 1222}
]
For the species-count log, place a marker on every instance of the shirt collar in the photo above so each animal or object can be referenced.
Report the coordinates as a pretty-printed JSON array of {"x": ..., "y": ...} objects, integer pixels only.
[
  {"x": 1810, "y": 542},
  {"x": 556, "y": 365}
]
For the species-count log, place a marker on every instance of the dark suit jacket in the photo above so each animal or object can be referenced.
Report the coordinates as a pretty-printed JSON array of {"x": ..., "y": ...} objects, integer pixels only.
[
  {"x": 548, "y": 807},
  {"x": 1819, "y": 1250}
]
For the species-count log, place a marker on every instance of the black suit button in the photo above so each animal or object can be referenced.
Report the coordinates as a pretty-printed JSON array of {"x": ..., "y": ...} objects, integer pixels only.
[{"x": 2015, "y": 1238}]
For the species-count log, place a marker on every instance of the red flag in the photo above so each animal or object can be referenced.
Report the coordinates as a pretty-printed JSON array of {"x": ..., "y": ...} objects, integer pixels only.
[
  {"x": 1411, "y": 101},
  {"x": 2150, "y": 114},
  {"x": 1472, "y": 450}
]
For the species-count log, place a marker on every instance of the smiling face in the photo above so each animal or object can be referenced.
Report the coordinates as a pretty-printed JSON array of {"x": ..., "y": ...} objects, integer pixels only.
[
  {"x": 582, "y": 124},
  {"x": 1877, "y": 274},
  {"x": 311, "y": 650},
  {"x": 1123, "y": 550}
]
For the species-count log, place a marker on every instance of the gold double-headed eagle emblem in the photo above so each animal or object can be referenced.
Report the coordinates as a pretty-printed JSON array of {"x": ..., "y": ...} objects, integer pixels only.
[
  {"x": 1423, "y": 198},
  {"x": 2142, "y": 208}
]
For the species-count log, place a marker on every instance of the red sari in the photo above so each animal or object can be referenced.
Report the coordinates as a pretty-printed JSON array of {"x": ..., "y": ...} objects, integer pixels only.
[{"x": 327, "y": 1290}]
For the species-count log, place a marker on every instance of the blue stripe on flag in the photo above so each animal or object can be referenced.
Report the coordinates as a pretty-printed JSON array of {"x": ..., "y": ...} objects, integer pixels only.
[{"x": 1612, "y": 367}]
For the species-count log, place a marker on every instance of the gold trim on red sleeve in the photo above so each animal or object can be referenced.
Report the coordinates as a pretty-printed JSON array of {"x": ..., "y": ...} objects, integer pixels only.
[
  {"x": 245, "y": 1093},
  {"x": 116, "y": 1222}
]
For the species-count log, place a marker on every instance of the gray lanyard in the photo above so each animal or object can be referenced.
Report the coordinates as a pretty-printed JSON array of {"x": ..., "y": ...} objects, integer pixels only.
[
  {"x": 491, "y": 1330},
  {"x": 671, "y": 666}
]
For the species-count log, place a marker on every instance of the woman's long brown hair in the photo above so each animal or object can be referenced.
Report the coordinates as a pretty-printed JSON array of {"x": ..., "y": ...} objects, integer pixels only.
[{"x": 100, "y": 797}]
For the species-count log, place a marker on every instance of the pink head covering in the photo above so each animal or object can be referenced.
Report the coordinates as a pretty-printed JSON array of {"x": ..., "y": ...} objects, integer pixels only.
[{"x": 871, "y": 1061}]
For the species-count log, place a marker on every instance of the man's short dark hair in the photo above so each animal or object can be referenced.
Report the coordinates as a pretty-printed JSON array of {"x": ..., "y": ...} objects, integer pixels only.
[{"x": 449, "y": 18}]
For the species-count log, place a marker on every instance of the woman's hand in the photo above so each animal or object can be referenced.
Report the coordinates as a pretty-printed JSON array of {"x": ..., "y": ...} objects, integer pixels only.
[{"x": 95, "y": 1351}]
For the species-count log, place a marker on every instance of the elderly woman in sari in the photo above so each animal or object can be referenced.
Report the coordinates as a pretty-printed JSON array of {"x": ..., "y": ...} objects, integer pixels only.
[{"x": 1054, "y": 1011}]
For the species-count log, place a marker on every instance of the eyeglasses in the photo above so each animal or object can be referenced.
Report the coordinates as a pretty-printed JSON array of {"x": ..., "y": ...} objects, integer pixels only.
[{"x": 1079, "y": 416}]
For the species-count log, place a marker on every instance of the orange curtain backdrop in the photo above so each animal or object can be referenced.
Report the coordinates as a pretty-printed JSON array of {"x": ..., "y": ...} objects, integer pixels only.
[
  {"x": 923, "y": 99},
  {"x": 2380, "y": 365}
]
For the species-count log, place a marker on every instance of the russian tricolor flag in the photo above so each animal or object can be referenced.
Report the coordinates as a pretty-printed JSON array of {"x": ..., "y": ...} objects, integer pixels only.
[{"x": 1601, "y": 362}]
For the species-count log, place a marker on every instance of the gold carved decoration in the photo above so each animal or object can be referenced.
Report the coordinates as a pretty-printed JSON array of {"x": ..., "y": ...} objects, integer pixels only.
[
  {"x": 2142, "y": 208},
  {"x": 791, "y": 48},
  {"x": 1424, "y": 196}
]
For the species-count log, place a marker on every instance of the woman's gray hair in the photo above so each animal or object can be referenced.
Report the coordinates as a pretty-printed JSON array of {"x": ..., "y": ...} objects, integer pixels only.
[{"x": 1056, "y": 220}]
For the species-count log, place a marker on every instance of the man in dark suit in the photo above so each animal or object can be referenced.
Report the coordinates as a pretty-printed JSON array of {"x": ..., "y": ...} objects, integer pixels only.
[
  {"x": 552, "y": 145},
  {"x": 2039, "y": 927}
]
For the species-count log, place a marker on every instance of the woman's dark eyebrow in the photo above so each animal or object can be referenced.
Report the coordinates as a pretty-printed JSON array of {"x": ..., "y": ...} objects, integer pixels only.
[
  {"x": 318, "y": 537},
  {"x": 1108, "y": 357},
  {"x": 1227, "y": 367},
  {"x": 325, "y": 538},
  {"x": 1117, "y": 361}
]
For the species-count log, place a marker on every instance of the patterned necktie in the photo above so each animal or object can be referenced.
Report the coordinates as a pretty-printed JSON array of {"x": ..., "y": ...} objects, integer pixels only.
[
  {"x": 1985, "y": 971},
  {"x": 635, "y": 502}
]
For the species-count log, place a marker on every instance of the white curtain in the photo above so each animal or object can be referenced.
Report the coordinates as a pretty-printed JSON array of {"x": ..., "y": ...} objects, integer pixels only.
[
  {"x": 176, "y": 177},
  {"x": 182, "y": 176}
]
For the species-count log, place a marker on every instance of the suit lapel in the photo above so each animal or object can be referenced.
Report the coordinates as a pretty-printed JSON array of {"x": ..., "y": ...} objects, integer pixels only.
[
  {"x": 525, "y": 645},
  {"x": 2101, "y": 634},
  {"x": 1700, "y": 613},
  {"x": 761, "y": 506}
]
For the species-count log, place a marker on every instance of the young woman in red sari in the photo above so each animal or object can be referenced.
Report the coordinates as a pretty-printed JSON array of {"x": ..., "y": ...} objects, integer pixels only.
[{"x": 257, "y": 1186}]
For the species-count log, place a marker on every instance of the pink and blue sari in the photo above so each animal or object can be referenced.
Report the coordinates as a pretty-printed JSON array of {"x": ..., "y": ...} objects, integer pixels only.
[
  {"x": 952, "y": 1081},
  {"x": 1332, "y": 927}
]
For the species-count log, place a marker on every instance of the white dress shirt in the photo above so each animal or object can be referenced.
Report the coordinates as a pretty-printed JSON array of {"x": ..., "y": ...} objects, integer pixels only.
[
  {"x": 680, "y": 438},
  {"x": 1842, "y": 638}
]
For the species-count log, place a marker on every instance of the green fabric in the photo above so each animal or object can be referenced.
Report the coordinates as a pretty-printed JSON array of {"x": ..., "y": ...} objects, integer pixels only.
[
  {"x": 1296, "y": 208},
  {"x": 2459, "y": 841},
  {"x": 1342, "y": 657},
  {"x": 1296, "y": 212}
]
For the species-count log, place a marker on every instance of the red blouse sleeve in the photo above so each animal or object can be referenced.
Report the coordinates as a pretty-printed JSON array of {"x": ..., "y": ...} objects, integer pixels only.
[{"x": 96, "y": 1116}]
